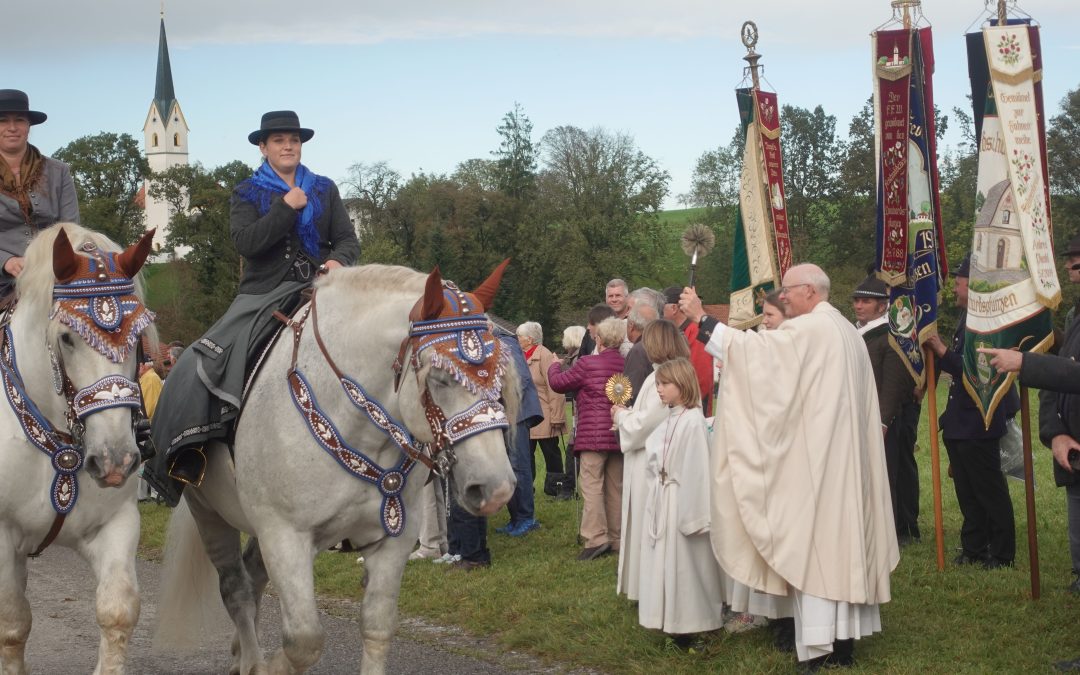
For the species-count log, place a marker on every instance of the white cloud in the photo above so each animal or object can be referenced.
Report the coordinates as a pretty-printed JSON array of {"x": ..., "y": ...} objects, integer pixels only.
[{"x": 819, "y": 25}]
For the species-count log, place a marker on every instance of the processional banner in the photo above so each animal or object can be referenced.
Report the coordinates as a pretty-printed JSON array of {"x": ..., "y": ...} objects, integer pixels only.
[
  {"x": 910, "y": 255},
  {"x": 762, "y": 250},
  {"x": 1013, "y": 284}
]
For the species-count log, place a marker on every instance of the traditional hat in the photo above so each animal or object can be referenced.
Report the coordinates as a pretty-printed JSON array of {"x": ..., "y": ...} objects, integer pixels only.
[
  {"x": 15, "y": 101},
  {"x": 963, "y": 269},
  {"x": 871, "y": 287},
  {"x": 1073, "y": 248},
  {"x": 279, "y": 120}
]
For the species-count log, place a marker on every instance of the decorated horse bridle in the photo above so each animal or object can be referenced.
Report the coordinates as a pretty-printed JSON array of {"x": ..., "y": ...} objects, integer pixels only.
[
  {"x": 99, "y": 303},
  {"x": 482, "y": 416}
]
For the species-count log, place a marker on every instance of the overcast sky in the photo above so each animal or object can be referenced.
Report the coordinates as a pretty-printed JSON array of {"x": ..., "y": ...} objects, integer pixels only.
[{"x": 422, "y": 85}]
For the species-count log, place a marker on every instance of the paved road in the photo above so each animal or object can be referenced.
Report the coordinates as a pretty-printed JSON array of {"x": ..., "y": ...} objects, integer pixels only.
[{"x": 64, "y": 638}]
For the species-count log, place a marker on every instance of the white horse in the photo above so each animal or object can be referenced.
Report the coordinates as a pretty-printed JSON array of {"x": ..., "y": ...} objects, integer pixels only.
[
  {"x": 287, "y": 491},
  {"x": 68, "y": 353}
]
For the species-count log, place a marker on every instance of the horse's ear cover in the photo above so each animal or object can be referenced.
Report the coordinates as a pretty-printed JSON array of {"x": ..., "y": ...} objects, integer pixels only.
[
  {"x": 432, "y": 305},
  {"x": 485, "y": 292},
  {"x": 65, "y": 262},
  {"x": 132, "y": 259}
]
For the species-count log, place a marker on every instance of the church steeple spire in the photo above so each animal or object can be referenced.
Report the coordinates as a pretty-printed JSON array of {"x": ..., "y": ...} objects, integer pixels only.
[{"x": 164, "y": 95}]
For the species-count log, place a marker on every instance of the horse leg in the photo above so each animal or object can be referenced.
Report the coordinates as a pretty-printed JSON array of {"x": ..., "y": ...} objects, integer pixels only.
[
  {"x": 383, "y": 568},
  {"x": 256, "y": 571},
  {"x": 289, "y": 556},
  {"x": 111, "y": 554},
  {"x": 14, "y": 610},
  {"x": 222, "y": 544}
]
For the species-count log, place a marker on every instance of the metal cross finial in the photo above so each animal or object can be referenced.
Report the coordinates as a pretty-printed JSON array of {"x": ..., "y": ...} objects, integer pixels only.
[
  {"x": 162, "y": 9},
  {"x": 749, "y": 40},
  {"x": 906, "y": 6}
]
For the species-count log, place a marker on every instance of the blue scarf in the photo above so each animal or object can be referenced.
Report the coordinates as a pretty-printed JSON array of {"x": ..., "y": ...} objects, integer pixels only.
[{"x": 265, "y": 185}]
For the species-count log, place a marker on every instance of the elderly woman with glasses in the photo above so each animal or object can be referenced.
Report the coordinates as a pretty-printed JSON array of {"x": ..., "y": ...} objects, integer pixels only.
[{"x": 546, "y": 434}]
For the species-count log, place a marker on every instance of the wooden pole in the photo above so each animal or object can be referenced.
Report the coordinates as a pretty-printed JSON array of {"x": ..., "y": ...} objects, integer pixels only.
[
  {"x": 1029, "y": 493},
  {"x": 935, "y": 457}
]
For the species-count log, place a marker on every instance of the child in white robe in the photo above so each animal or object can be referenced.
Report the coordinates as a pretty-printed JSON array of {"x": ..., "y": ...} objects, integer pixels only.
[{"x": 681, "y": 589}]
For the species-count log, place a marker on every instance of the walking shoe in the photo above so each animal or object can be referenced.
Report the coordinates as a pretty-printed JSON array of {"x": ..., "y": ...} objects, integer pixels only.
[
  {"x": 424, "y": 553},
  {"x": 593, "y": 552},
  {"x": 524, "y": 527},
  {"x": 965, "y": 559},
  {"x": 468, "y": 565},
  {"x": 506, "y": 529},
  {"x": 1070, "y": 666},
  {"x": 446, "y": 558},
  {"x": 992, "y": 563},
  {"x": 1074, "y": 587}
]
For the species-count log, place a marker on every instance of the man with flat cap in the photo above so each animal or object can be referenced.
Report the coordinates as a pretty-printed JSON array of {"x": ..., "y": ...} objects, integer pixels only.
[
  {"x": 800, "y": 496},
  {"x": 1059, "y": 407},
  {"x": 289, "y": 224},
  {"x": 896, "y": 389},
  {"x": 988, "y": 533},
  {"x": 35, "y": 191}
]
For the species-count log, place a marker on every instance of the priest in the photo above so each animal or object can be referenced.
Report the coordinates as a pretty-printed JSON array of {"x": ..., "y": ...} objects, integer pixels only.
[{"x": 800, "y": 495}]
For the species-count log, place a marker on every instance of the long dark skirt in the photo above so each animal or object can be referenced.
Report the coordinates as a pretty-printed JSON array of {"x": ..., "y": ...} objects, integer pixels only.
[{"x": 202, "y": 394}]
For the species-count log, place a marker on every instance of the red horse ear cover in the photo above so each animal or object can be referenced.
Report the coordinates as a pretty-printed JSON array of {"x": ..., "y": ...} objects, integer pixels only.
[
  {"x": 432, "y": 305},
  {"x": 485, "y": 292},
  {"x": 65, "y": 261},
  {"x": 132, "y": 259}
]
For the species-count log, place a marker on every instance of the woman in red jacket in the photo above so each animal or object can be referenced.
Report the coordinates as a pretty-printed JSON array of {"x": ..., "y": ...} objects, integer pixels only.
[{"x": 595, "y": 443}]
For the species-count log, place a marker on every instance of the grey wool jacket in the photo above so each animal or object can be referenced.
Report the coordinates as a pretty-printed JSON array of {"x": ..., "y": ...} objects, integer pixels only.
[{"x": 53, "y": 200}]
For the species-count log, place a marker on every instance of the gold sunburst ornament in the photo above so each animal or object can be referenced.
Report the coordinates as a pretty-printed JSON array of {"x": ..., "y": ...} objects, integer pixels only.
[{"x": 618, "y": 389}]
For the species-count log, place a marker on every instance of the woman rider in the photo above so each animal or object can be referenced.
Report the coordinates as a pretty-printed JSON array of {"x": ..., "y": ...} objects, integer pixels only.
[{"x": 289, "y": 224}]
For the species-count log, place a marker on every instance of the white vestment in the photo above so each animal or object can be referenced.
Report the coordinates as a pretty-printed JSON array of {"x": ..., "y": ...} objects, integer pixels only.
[
  {"x": 801, "y": 502},
  {"x": 635, "y": 425},
  {"x": 681, "y": 588}
]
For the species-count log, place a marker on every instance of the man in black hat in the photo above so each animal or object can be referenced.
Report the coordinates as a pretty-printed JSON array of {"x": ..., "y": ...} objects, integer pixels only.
[
  {"x": 1059, "y": 411},
  {"x": 35, "y": 191},
  {"x": 896, "y": 389},
  {"x": 988, "y": 535}
]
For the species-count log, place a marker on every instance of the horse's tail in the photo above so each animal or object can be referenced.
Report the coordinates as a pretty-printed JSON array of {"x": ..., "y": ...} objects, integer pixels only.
[{"x": 190, "y": 607}]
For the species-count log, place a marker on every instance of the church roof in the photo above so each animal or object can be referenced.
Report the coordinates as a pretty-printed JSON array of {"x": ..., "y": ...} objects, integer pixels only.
[{"x": 164, "y": 96}]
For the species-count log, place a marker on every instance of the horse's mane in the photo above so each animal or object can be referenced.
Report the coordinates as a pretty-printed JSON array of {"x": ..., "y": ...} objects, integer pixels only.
[
  {"x": 35, "y": 285},
  {"x": 376, "y": 278}
]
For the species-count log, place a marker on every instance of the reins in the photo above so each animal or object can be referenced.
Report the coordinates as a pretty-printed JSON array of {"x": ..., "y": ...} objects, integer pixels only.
[{"x": 404, "y": 441}]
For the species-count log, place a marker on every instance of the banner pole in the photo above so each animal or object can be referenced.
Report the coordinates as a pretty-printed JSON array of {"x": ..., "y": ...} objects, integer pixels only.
[
  {"x": 1029, "y": 494},
  {"x": 935, "y": 457}
]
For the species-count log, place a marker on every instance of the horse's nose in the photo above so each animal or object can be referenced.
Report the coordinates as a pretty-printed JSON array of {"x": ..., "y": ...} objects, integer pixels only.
[
  {"x": 112, "y": 469},
  {"x": 485, "y": 500}
]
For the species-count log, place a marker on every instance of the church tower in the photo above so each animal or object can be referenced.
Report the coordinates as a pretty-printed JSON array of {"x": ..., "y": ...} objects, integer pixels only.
[{"x": 165, "y": 140}]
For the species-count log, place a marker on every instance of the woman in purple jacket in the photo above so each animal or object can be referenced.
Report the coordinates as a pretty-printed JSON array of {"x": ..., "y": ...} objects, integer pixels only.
[{"x": 595, "y": 444}]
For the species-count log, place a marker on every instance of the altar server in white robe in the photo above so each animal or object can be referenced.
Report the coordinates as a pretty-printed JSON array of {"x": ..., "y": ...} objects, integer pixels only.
[
  {"x": 681, "y": 588},
  {"x": 662, "y": 341},
  {"x": 801, "y": 500}
]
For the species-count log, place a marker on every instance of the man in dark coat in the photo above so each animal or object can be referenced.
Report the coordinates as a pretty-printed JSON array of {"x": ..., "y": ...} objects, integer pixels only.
[
  {"x": 896, "y": 389},
  {"x": 988, "y": 535},
  {"x": 1059, "y": 407}
]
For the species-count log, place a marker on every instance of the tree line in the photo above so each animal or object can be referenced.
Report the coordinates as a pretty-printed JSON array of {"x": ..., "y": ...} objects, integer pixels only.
[{"x": 572, "y": 208}]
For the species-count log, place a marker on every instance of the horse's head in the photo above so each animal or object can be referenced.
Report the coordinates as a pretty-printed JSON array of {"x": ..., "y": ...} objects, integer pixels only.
[
  {"x": 93, "y": 328},
  {"x": 464, "y": 395}
]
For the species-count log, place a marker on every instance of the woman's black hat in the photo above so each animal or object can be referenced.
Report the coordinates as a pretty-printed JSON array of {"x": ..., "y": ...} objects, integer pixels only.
[
  {"x": 279, "y": 121},
  {"x": 15, "y": 101}
]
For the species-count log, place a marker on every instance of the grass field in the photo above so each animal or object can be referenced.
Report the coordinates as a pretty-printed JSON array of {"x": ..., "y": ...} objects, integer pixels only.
[{"x": 537, "y": 598}]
